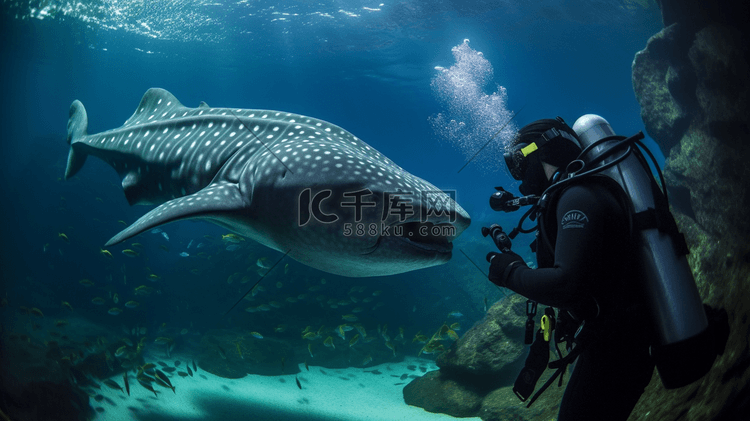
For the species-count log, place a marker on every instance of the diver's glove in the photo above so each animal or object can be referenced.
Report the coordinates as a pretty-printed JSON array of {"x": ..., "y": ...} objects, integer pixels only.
[{"x": 501, "y": 264}]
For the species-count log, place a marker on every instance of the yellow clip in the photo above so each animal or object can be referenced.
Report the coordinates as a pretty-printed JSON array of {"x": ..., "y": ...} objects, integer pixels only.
[
  {"x": 529, "y": 149},
  {"x": 546, "y": 328}
]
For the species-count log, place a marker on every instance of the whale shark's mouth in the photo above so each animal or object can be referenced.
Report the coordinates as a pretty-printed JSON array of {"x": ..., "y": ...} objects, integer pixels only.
[{"x": 426, "y": 235}]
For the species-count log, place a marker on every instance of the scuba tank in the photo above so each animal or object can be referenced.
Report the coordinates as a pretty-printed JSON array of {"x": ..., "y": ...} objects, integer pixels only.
[{"x": 683, "y": 347}]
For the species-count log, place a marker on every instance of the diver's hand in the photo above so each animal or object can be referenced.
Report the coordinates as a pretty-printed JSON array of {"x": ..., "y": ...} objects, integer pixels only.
[{"x": 501, "y": 265}]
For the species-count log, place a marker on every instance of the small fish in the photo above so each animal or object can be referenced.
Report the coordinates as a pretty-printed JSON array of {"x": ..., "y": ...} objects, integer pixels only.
[
  {"x": 155, "y": 230},
  {"x": 148, "y": 366},
  {"x": 63, "y": 237},
  {"x": 190, "y": 244},
  {"x": 329, "y": 342},
  {"x": 127, "y": 384},
  {"x": 307, "y": 367},
  {"x": 309, "y": 349},
  {"x": 98, "y": 300},
  {"x": 163, "y": 340},
  {"x": 400, "y": 336},
  {"x": 256, "y": 335},
  {"x": 114, "y": 311},
  {"x": 169, "y": 369},
  {"x": 164, "y": 234},
  {"x": 262, "y": 263},
  {"x": 165, "y": 248},
  {"x": 115, "y": 298},
  {"x": 298, "y": 383},
  {"x": 120, "y": 221},
  {"x": 189, "y": 371},
  {"x": 36, "y": 312},
  {"x": 154, "y": 277},
  {"x": 121, "y": 351},
  {"x": 232, "y": 247},
  {"x": 354, "y": 340},
  {"x": 67, "y": 305},
  {"x": 283, "y": 361},
  {"x": 130, "y": 253},
  {"x": 350, "y": 317},
  {"x": 163, "y": 377},
  {"x": 456, "y": 314},
  {"x": 239, "y": 350},
  {"x": 222, "y": 354},
  {"x": 376, "y": 293},
  {"x": 485, "y": 304},
  {"x": 456, "y": 326},
  {"x": 127, "y": 341},
  {"x": 195, "y": 367},
  {"x": 106, "y": 253},
  {"x": 404, "y": 376},
  {"x": 182, "y": 373},
  {"x": 144, "y": 290},
  {"x": 391, "y": 346},
  {"x": 286, "y": 268},
  {"x": 86, "y": 282},
  {"x": 132, "y": 304},
  {"x": 147, "y": 386},
  {"x": 112, "y": 384},
  {"x": 232, "y": 238},
  {"x": 279, "y": 285},
  {"x": 184, "y": 254},
  {"x": 184, "y": 331},
  {"x": 310, "y": 336}
]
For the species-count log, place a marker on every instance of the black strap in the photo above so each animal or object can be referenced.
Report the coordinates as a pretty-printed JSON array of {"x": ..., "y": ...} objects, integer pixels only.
[
  {"x": 662, "y": 220},
  {"x": 561, "y": 365},
  {"x": 554, "y": 133}
]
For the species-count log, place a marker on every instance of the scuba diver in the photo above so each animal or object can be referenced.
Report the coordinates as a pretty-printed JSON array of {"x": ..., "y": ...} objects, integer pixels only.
[{"x": 599, "y": 216}]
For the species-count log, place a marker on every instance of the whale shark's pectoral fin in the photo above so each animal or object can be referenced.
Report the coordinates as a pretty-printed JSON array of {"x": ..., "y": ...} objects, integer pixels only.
[{"x": 216, "y": 198}]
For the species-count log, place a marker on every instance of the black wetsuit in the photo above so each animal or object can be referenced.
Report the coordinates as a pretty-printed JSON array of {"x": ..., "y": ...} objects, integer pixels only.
[{"x": 589, "y": 271}]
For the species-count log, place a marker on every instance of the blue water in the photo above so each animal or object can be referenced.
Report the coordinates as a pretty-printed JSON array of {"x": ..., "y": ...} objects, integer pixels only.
[{"x": 367, "y": 67}]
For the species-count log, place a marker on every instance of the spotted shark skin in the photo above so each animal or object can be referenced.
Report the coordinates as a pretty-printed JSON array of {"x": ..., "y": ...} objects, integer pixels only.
[{"x": 296, "y": 184}]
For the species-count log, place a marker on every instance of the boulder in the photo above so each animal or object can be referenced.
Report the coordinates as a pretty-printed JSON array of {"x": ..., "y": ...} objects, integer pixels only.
[
  {"x": 488, "y": 357},
  {"x": 697, "y": 71},
  {"x": 490, "y": 352},
  {"x": 435, "y": 392},
  {"x": 662, "y": 84}
]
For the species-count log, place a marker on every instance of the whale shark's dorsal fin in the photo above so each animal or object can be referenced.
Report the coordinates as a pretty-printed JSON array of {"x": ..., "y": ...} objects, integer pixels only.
[
  {"x": 155, "y": 103},
  {"x": 203, "y": 105},
  {"x": 214, "y": 200}
]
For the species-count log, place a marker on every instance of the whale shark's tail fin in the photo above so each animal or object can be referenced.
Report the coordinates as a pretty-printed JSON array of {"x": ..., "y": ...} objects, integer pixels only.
[{"x": 77, "y": 129}]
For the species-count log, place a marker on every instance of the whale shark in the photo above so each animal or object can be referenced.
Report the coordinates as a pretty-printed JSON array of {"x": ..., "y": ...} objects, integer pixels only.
[{"x": 296, "y": 184}]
